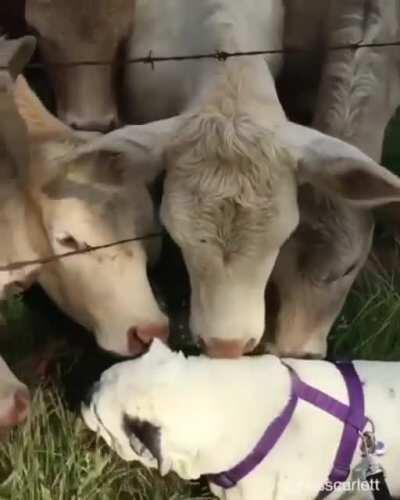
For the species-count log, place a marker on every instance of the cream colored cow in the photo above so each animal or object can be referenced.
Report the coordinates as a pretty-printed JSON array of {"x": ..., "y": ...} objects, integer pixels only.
[
  {"x": 60, "y": 203},
  {"x": 14, "y": 155},
  {"x": 83, "y": 30}
]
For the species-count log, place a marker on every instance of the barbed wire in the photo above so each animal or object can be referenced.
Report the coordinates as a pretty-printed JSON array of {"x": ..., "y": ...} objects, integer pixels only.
[
  {"x": 88, "y": 249},
  {"x": 218, "y": 55}
]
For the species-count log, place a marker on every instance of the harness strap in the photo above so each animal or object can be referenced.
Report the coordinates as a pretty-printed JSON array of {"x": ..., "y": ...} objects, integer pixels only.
[
  {"x": 354, "y": 424},
  {"x": 271, "y": 436},
  {"x": 352, "y": 415}
]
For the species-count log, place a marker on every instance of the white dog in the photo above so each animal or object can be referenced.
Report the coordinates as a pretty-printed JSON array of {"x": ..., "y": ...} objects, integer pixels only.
[{"x": 200, "y": 416}]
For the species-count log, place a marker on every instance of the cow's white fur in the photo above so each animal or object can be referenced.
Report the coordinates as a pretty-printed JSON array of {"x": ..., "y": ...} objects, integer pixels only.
[
  {"x": 224, "y": 112},
  {"x": 211, "y": 413}
]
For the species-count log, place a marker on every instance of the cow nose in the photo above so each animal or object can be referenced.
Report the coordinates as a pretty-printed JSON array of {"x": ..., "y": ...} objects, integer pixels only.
[
  {"x": 22, "y": 404},
  {"x": 95, "y": 125},
  {"x": 19, "y": 409},
  {"x": 227, "y": 348},
  {"x": 140, "y": 337}
]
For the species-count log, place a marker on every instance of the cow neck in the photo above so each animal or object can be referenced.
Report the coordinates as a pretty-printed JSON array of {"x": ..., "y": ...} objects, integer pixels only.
[{"x": 249, "y": 83}]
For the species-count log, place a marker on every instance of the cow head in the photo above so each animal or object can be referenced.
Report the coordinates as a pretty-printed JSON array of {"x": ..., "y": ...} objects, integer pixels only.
[
  {"x": 231, "y": 203},
  {"x": 65, "y": 200},
  {"x": 317, "y": 266},
  {"x": 74, "y": 31}
]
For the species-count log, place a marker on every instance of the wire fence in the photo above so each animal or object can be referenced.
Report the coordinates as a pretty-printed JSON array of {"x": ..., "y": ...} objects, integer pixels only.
[
  {"x": 218, "y": 55},
  {"x": 14, "y": 266},
  {"x": 152, "y": 60}
]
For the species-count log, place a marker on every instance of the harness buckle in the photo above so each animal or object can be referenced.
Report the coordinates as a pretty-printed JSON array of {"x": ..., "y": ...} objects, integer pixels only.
[{"x": 368, "y": 443}]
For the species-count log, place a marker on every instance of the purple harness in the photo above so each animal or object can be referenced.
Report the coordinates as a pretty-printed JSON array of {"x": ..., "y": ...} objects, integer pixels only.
[{"x": 351, "y": 415}]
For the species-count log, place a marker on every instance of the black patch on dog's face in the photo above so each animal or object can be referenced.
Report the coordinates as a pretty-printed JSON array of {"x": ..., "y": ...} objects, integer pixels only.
[{"x": 147, "y": 433}]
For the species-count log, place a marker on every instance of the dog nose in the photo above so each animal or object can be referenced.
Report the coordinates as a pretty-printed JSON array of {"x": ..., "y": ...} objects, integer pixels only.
[
  {"x": 227, "y": 348},
  {"x": 87, "y": 400},
  {"x": 140, "y": 337}
]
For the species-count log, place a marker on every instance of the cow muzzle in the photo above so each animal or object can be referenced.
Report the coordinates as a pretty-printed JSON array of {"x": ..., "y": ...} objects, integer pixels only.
[{"x": 139, "y": 338}]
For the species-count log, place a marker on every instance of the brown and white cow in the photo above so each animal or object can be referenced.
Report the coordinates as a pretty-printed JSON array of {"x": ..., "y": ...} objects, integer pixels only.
[
  {"x": 236, "y": 167},
  {"x": 83, "y": 30},
  {"x": 56, "y": 203},
  {"x": 14, "y": 155}
]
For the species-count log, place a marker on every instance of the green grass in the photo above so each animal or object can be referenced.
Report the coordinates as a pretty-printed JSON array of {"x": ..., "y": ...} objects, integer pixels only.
[{"x": 369, "y": 326}]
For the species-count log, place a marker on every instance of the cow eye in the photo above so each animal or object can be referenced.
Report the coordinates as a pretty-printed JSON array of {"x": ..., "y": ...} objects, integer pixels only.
[
  {"x": 336, "y": 276},
  {"x": 350, "y": 269},
  {"x": 68, "y": 242}
]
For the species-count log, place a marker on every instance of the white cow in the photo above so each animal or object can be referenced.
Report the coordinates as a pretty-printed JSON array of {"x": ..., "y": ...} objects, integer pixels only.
[
  {"x": 235, "y": 163},
  {"x": 14, "y": 396},
  {"x": 55, "y": 203}
]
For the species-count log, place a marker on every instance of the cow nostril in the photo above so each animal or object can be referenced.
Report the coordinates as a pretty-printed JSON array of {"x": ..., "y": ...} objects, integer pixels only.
[
  {"x": 250, "y": 346},
  {"x": 113, "y": 124},
  {"x": 150, "y": 332},
  {"x": 202, "y": 344},
  {"x": 22, "y": 403},
  {"x": 135, "y": 345}
]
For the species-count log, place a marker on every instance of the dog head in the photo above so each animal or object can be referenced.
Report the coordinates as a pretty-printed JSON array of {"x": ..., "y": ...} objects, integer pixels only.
[{"x": 142, "y": 408}]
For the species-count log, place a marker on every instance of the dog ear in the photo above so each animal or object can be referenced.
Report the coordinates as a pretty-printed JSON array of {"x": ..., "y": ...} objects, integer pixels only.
[
  {"x": 159, "y": 352},
  {"x": 145, "y": 439}
]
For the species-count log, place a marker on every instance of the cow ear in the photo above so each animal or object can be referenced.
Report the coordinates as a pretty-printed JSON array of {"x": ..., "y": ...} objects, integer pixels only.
[
  {"x": 42, "y": 125},
  {"x": 141, "y": 145},
  {"x": 339, "y": 169},
  {"x": 15, "y": 54}
]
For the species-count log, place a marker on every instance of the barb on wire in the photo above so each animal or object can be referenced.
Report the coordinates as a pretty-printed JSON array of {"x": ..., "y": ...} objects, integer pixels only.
[
  {"x": 218, "y": 55},
  {"x": 13, "y": 266}
]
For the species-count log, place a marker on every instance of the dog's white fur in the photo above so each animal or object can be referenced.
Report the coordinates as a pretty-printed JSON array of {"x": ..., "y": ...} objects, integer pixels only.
[{"x": 211, "y": 413}]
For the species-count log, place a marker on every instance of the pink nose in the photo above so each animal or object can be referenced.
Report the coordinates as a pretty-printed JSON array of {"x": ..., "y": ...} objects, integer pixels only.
[
  {"x": 227, "y": 348},
  {"x": 140, "y": 337},
  {"x": 19, "y": 409}
]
